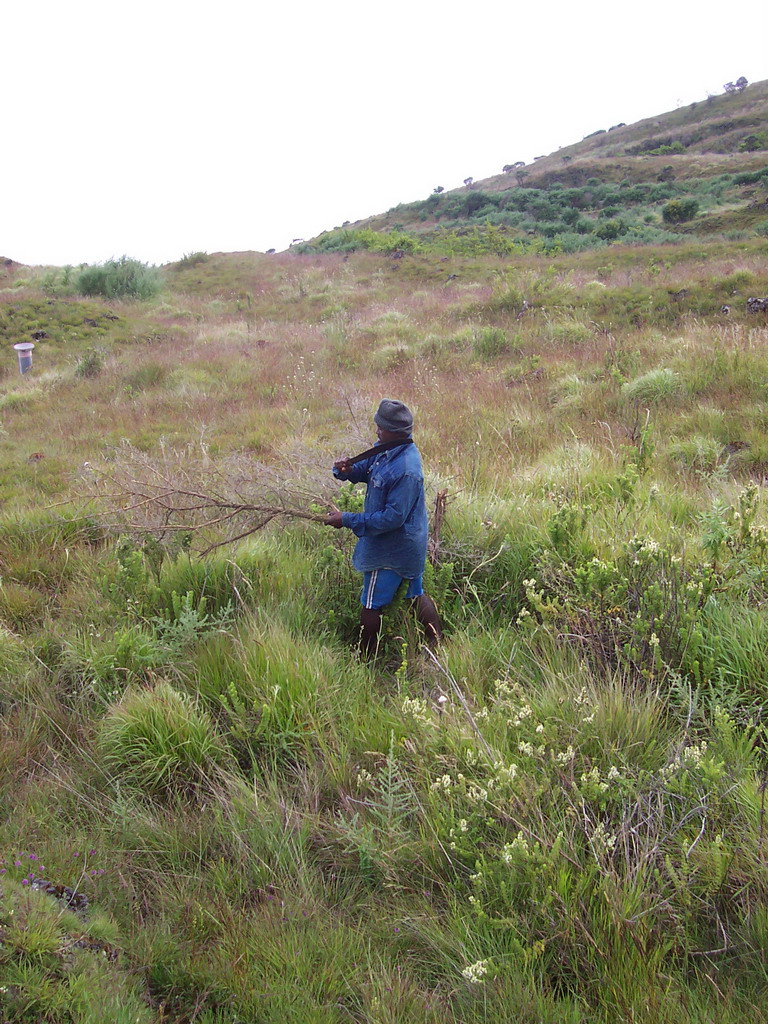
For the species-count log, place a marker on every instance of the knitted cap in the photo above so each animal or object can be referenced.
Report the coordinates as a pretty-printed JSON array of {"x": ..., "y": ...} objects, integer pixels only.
[{"x": 394, "y": 416}]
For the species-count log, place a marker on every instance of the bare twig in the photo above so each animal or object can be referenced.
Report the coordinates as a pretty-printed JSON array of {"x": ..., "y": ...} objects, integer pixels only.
[{"x": 184, "y": 491}]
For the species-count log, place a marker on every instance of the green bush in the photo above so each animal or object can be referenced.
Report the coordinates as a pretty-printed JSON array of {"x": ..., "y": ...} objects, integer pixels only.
[
  {"x": 107, "y": 663},
  {"x": 610, "y": 230},
  {"x": 158, "y": 739},
  {"x": 351, "y": 240},
  {"x": 192, "y": 259},
  {"x": 676, "y": 211},
  {"x": 754, "y": 142},
  {"x": 123, "y": 278}
]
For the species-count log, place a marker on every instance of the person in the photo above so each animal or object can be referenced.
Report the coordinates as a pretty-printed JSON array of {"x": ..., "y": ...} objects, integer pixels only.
[{"x": 392, "y": 528}]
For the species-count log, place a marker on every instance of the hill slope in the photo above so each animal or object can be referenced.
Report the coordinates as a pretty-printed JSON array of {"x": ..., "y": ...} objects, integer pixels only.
[{"x": 708, "y": 160}]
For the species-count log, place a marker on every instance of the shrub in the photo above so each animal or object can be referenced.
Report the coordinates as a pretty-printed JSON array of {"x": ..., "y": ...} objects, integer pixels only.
[
  {"x": 610, "y": 230},
  {"x": 158, "y": 739},
  {"x": 753, "y": 143},
  {"x": 120, "y": 279},
  {"x": 734, "y": 282},
  {"x": 192, "y": 259},
  {"x": 18, "y": 399},
  {"x": 350, "y": 240},
  {"x": 676, "y": 211},
  {"x": 105, "y": 663}
]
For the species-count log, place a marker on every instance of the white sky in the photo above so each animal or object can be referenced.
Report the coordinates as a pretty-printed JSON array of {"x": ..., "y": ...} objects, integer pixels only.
[{"x": 156, "y": 128}]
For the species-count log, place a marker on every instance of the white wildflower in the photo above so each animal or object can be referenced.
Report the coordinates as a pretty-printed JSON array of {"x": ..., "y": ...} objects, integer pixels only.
[
  {"x": 417, "y": 709},
  {"x": 475, "y": 973},
  {"x": 444, "y": 782},
  {"x": 519, "y": 845},
  {"x": 602, "y": 840},
  {"x": 505, "y": 772},
  {"x": 592, "y": 777}
]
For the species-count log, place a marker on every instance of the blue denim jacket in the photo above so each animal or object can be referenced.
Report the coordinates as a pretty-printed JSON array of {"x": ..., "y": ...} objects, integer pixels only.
[{"x": 392, "y": 530}]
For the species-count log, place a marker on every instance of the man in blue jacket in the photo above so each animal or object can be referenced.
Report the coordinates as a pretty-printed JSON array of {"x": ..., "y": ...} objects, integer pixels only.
[{"x": 392, "y": 529}]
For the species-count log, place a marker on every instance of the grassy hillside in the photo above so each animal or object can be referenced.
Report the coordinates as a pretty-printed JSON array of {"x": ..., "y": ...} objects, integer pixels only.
[
  {"x": 213, "y": 811},
  {"x": 699, "y": 170}
]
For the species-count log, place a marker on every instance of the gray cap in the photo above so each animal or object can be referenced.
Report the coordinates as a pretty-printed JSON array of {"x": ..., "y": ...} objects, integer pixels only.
[{"x": 394, "y": 416}]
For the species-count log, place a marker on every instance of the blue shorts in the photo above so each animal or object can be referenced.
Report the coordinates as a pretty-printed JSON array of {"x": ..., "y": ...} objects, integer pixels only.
[{"x": 380, "y": 587}]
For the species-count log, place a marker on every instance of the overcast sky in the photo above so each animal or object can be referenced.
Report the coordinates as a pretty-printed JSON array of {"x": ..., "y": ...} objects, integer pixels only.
[{"x": 158, "y": 127}]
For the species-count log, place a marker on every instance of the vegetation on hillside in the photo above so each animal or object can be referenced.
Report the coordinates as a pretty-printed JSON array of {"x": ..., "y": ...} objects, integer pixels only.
[
  {"x": 213, "y": 811},
  {"x": 615, "y": 186}
]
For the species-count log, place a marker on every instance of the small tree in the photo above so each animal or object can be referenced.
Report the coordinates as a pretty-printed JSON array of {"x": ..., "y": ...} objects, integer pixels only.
[
  {"x": 678, "y": 210},
  {"x": 610, "y": 230},
  {"x": 468, "y": 182},
  {"x": 438, "y": 189},
  {"x": 741, "y": 83}
]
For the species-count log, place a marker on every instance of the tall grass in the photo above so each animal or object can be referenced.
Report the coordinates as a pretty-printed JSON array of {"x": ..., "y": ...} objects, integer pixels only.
[
  {"x": 121, "y": 278},
  {"x": 558, "y": 819}
]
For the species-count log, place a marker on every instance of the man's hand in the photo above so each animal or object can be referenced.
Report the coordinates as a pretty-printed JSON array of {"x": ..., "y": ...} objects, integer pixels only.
[
  {"x": 334, "y": 518},
  {"x": 343, "y": 465}
]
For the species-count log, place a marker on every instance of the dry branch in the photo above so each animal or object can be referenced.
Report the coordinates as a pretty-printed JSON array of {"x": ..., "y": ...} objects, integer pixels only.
[
  {"x": 215, "y": 501},
  {"x": 218, "y": 502}
]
